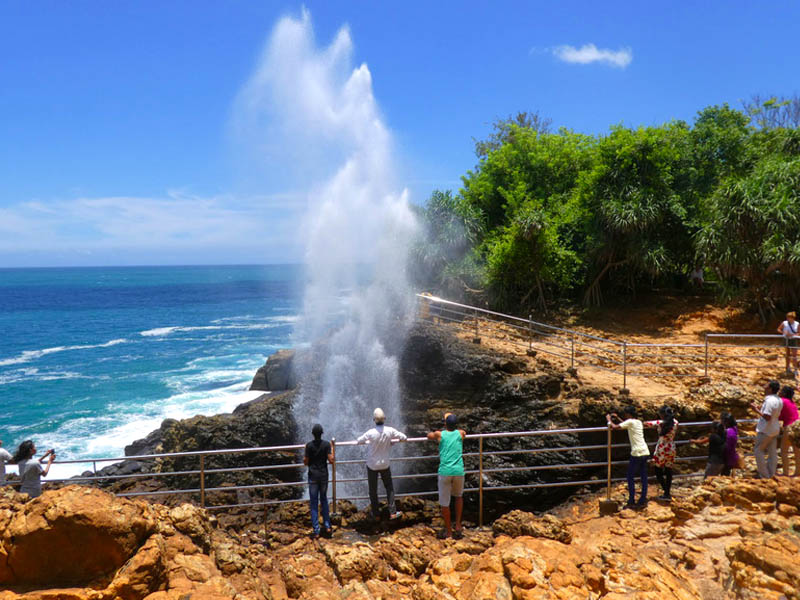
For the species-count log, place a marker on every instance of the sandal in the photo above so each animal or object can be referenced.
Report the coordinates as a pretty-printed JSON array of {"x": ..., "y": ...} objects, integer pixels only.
[
  {"x": 458, "y": 534},
  {"x": 441, "y": 534}
]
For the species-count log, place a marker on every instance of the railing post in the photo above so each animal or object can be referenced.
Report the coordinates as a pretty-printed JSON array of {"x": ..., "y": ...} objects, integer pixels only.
[
  {"x": 608, "y": 506},
  {"x": 625, "y": 365},
  {"x": 94, "y": 464},
  {"x": 480, "y": 481},
  {"x": 705, "y": 369},
  {"x": 333, "y": 475},
  {"x": 530, "y": 332},
  {"x": 608, "y": 455},
  {"x": 476, "y": 339},
  {"x": 572, "y": 351},
  {"x": 203, "y": 480}
]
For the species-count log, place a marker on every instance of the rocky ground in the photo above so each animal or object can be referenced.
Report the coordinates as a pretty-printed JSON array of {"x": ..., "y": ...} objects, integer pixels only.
[{"x": 724, "y": 539}]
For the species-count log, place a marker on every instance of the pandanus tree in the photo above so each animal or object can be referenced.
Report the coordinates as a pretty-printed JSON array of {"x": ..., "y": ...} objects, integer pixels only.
[
  {"x": 637, "y": 204},
  {"x": 753, "y": 237}
]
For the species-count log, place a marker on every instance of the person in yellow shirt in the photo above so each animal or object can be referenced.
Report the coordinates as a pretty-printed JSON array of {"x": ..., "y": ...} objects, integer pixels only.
[{"x": 637, "y": 466}]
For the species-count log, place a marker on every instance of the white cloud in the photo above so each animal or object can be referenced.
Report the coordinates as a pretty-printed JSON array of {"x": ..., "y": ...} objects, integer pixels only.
[
  {"x": 589, "y": 53},
  {"x": 122, "y": 229}
]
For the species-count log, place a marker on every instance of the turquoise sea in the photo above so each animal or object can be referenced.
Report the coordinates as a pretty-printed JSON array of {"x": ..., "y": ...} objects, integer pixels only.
[{"x": 94, "y": 358}]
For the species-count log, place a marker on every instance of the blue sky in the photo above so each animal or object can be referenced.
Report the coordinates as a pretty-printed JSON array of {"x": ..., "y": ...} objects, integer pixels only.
[{"x": 116, "y": 136}]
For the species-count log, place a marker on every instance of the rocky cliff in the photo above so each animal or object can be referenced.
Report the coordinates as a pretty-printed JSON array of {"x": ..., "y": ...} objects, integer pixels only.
[{"x": 725, "y": 539}]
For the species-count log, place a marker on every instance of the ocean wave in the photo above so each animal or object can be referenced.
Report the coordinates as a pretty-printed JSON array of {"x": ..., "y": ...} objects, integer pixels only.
[
  {"x": 164, "y": 331},
  {"x": 31, "y": 355},
  {"x": 34, "y": 375},
  {"x": 105, "y": 436}
]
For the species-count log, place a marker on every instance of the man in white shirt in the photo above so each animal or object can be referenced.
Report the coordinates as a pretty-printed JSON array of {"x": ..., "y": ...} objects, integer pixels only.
[
  {"x": 380, "y": 440},
  {"x": 637, "y": 465},
  {"x": 5, "y": 456},
  {"x": 767, "y": 430}
]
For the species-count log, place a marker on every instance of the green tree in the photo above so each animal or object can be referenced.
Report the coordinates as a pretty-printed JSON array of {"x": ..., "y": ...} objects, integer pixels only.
[
  {"x": 525, "y": 190},
  {"x": 753, "y": 236},
  {"x": 638, "y": 207}
]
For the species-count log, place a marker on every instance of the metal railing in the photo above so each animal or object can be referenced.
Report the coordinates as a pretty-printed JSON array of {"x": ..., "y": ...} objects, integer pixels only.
[
  {"x": 474, "y": 459},
  {"x": 717, "y": 352}
]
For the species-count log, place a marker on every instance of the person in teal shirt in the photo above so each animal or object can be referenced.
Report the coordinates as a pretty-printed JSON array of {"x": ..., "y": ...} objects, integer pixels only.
[{"x": 451, "y": 473}]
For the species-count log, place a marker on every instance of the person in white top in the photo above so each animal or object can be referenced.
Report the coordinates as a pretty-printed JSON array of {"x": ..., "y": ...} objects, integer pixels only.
[
  {"x": 5, "y": 456},
  {"x": 767, "y": 430},
  {"x": 380, "y": 440},
  {"x": 639, "y": 453},
  {"x": 789, "y": 330}
]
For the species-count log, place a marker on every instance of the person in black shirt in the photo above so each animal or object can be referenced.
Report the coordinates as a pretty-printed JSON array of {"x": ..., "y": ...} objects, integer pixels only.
[
  {"x": 318, "y": 454},
  {"x": 716, "y": 449}
]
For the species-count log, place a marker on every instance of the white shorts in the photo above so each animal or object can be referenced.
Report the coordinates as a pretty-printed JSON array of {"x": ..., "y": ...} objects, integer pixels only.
[{"x": 450, "y": 485}]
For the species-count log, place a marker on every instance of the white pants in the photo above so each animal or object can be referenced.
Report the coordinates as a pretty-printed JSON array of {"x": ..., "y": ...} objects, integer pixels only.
[{"x": 766, "y": 444}]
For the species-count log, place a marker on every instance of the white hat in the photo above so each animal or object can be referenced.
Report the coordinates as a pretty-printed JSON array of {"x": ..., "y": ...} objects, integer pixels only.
[{"x": 378, "y": 416}]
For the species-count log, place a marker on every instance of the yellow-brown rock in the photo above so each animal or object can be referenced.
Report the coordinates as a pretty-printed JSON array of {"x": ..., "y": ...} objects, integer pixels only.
[{"x": 724, "y": 539}]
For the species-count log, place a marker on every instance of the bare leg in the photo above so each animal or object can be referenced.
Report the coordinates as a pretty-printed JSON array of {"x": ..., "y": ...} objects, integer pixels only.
[
  {"x": 785, "y": 453},
  {"x": 794, "y": 358},
  {"x": 446, "y": 517},
  {"x": 796, "y": 451},
  {"x": 787, "y": 357},
  {"x": 459, "y": 509}
]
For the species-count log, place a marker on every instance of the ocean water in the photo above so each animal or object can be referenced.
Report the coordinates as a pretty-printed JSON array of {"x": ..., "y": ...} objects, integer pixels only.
[{"x": 94, "y": 358}]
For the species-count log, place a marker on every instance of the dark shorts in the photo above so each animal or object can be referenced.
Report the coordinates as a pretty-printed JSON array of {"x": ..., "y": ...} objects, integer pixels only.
[{"x": 791, "y": 342}]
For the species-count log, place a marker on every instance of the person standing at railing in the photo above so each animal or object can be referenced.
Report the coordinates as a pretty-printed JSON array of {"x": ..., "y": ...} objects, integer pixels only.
[
  {"x": 318, "y": 454},
  {"x": 664, "y": 454},
  {"x": 380, "y": 440},
  {"x": 716, "y": 449},
  {"x": 790, "y": 420},
  {"x": 637, "y": 465},
  {"x": 767, "y": 430},
  {"x": 5, "y": 456},
  {"x": 732, "y": 458},
  {"x": 31, "y": 470},
  {"x": 789, "y": 329},
  {"x": 451, "y": 474}
]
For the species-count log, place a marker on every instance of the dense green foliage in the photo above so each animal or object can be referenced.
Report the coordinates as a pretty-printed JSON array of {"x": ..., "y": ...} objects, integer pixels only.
[{"x": 549, "y": 216}]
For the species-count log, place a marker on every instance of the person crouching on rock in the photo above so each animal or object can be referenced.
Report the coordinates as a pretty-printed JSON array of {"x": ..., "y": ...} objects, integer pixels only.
[
  {"x": 318, "y": 454},
  {"x": 380, "y": 440},
  {"x": 451, "y": 473},
  {"x": 637, "y": 465},
  {"x": 30, "y": 469},
  {"x": 664, "y": 454}
]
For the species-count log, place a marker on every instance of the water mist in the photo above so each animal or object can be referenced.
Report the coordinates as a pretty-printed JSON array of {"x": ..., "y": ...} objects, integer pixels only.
[{"x": 323, "y": 111}]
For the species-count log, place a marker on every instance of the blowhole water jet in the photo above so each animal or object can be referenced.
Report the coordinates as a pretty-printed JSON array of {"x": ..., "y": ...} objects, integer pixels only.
[{"x": 316, "y": 100}]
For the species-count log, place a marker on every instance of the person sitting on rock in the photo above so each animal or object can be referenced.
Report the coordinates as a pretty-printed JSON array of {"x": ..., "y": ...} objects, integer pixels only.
[
  {"x": 715, "y": 439},
  {"x": 451, "y": 473},
  {"x": 637, "y": 465},
  {"x": 318, "y": 454},
  {"x": 664, "y": 454},
  {"x": 380, "y": 440},
  {"x": 31, "y": 470}
]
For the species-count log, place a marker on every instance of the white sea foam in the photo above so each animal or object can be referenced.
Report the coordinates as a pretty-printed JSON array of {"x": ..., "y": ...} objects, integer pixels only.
[
  {"x": 165, "y": 331},
  {"x": 31, "y": 355},
  {"x": 106, "y": 436}
]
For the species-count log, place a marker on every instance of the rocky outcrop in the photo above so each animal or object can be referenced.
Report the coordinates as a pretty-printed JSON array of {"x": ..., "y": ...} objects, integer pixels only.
[
  {"x": 265, "y": 421},
  {"x": 84, "y": 544},
  {"x": 727, "y": 539},
  {"x": 277, "y": 374}
]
